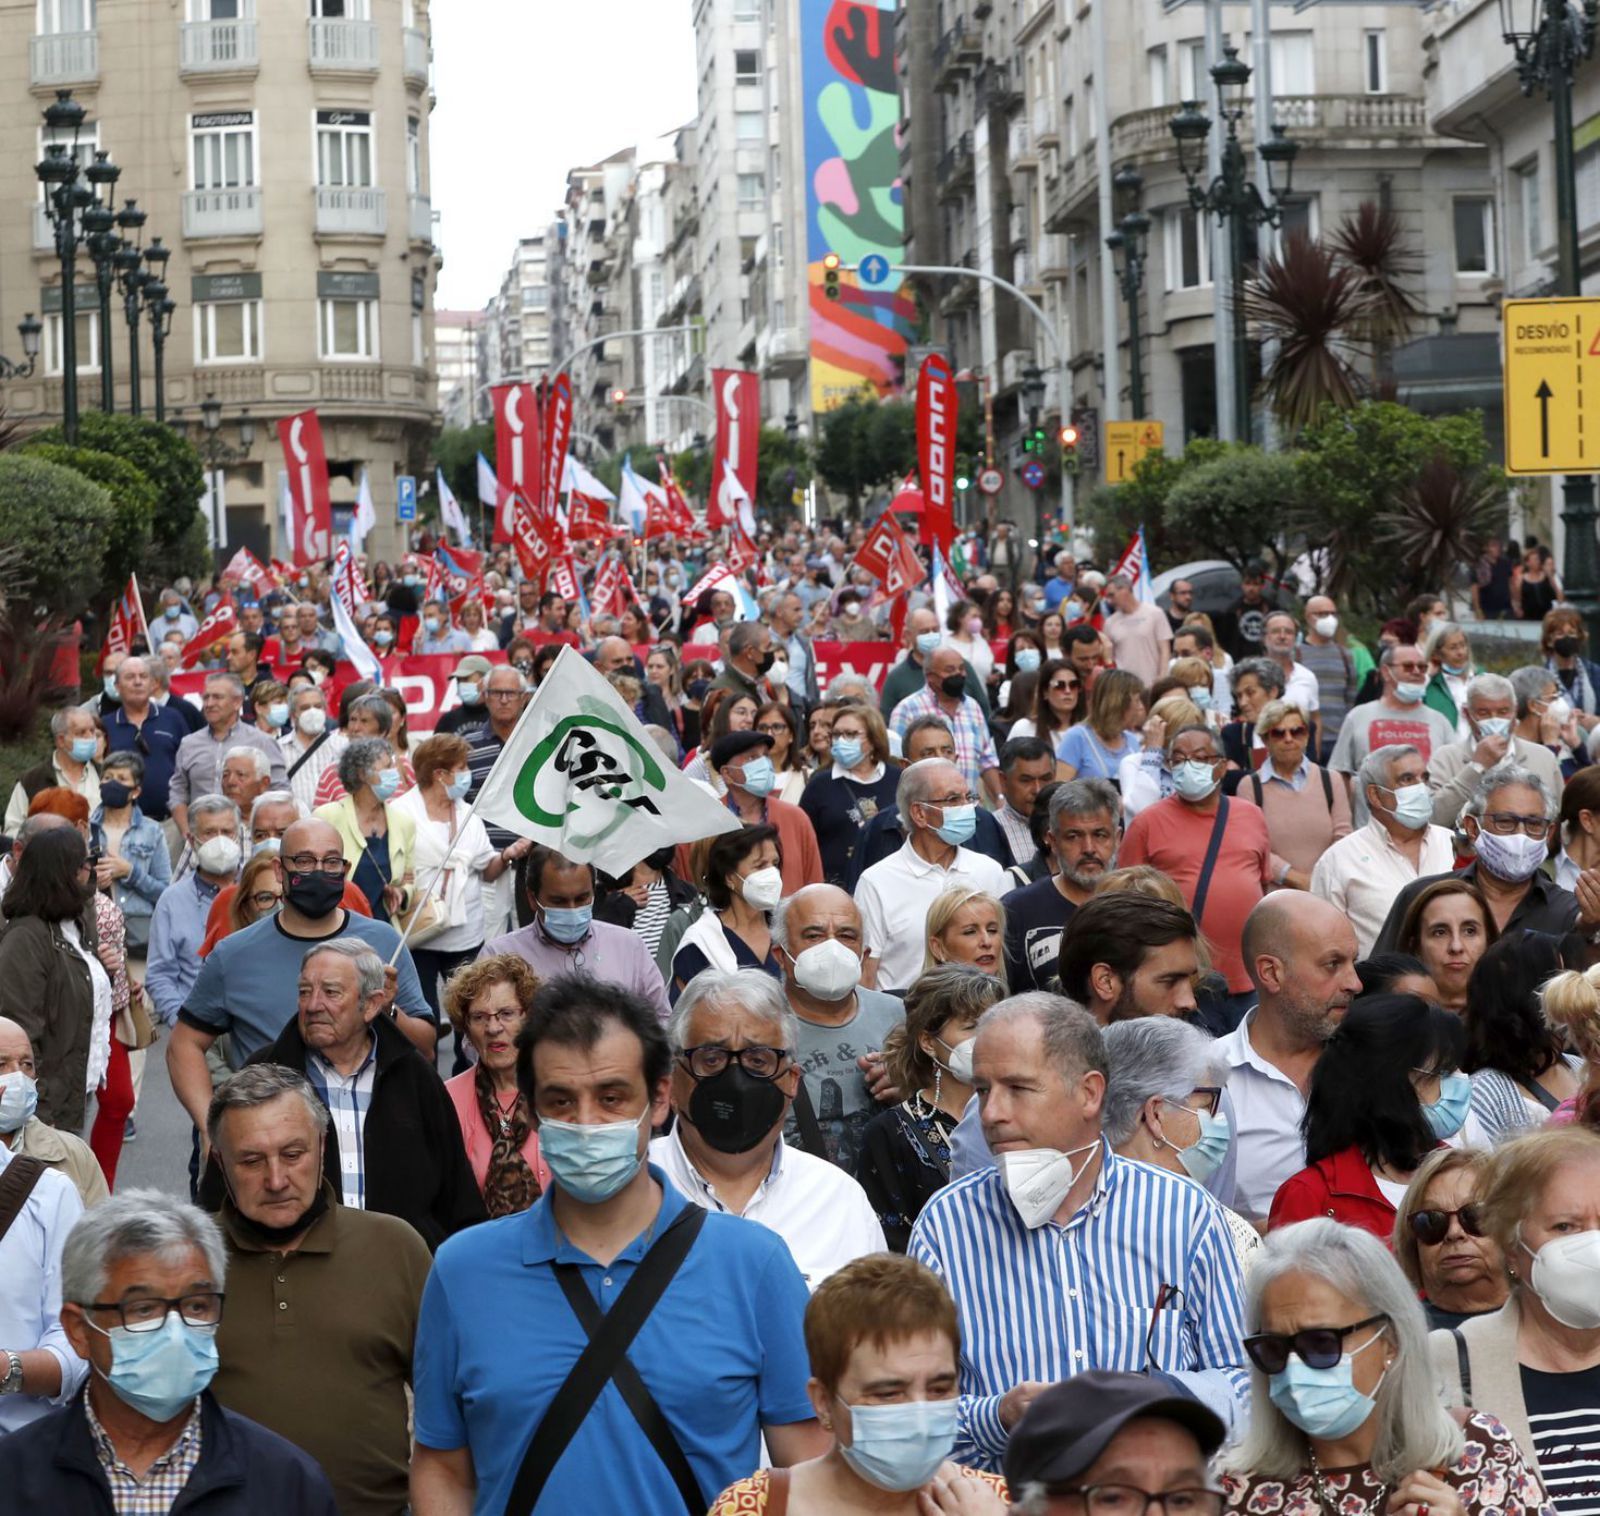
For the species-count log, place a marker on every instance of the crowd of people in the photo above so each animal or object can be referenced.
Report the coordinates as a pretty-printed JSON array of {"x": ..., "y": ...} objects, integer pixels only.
[{"x": 1114, "y": 1053}]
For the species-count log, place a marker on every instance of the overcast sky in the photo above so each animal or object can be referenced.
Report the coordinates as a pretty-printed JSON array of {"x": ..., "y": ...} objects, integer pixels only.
[{"x": 529, "y": 89}]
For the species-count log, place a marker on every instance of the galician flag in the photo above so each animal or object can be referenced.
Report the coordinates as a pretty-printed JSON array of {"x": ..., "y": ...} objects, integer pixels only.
[
  {"x": 580, "y": 775},
  {"x": 450, "y": 513},
  {"x": 366, "y": 513}
]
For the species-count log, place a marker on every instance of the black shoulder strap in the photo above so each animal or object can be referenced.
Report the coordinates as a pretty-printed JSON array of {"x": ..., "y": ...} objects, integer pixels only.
[
  {"x": 1203, "y": 887},
  {"x": 604, "y": 1359},
  {"x": 1257, "y": 789},
  {"x": 1327, "y": 787},
  {"x": 805, "y": 1118},
  {"x": 16, "y": 1184},
  {"x": 1463, "y": 1365},
  {"x": 1540, "y": 1093},
  {"x": 300, "y": 762}
]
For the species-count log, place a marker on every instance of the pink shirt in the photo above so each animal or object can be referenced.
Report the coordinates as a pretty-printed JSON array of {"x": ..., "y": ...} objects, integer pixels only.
[
  {"x": 1136, "y": 638},
  {"x": 464, "y": 1096}
]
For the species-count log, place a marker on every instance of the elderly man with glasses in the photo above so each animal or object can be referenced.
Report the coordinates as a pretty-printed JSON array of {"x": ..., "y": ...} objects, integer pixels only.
[
  {"x": 247, "y": 986},
  {"x": 734, "y": 1077}
]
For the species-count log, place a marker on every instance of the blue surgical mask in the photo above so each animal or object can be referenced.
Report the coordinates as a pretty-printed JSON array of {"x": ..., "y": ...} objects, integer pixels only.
[
  {"x": 900, "y": 1447},
  {"x": 567, "y": 925},
  {"x": 592, "y": 1163},
  {"x": 471, "y": 693},
  {"x": 382, "y": 638},
  {"x": 1027, "y": 659},
  {"x": 19, "y": 1099},
  {"x": 847, "y": 751},
  {"x": 111, "y": 687},
  {"x": 1457, "y": 670},
  {"x": 432, "y": 624},
  {"x": 387, "y": 782},
  {"x": 1409, "y": 694},
  {"x": 158, "y": 1373},
  {"x": 1201, "y": 696},
  {"x": 759, "y": 776},
  {"x": 1495, "y": 726},
  {"x": 958, "y": 824},
  {"x": 82, "y": 749},
  {"x": 458, "y": 787},
  {"x": 1448, "y": 1113},
  {"x": 278, "y": 713},
  {"x": 1203, "y": 1160},
  {"x": 1194, "y": 780},
  {"x": 1323, "y": 1403},
  {"x": 928, "y": 642},
  {"x": 172, "y": 613}
]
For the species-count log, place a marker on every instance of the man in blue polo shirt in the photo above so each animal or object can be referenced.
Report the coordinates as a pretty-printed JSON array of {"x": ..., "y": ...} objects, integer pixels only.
[{"x": 721, "y": 1352}]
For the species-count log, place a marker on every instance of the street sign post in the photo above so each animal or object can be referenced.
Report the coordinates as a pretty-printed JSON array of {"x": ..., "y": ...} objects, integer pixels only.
[
  {"x": 991, "y": 481},
  {"x": 873, "y": 269},
  {"x": 1129, "y": 441},
  {"x": 405, "y": 494},
  {"x": 1552, "y": 386},
  {"x": 1032, "y": 474}
]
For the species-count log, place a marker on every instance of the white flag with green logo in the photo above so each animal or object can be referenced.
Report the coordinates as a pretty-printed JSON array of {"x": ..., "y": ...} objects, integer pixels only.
[{"x": 581, "y": 775}]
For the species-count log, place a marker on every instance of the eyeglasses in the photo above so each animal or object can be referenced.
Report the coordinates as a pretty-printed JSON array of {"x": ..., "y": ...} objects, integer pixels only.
[
  {"x": 477, "y": 1021},
  {"x": 708, "y": 1060},
  {"x": 1409, "y": 668},
  {"x": 1433, "y": 1226},
  {"x": 266, "y": 900},
  {"x": 503, "y": 694},
  {"x": 309, "y": 863},
  {"x": 1213, "y": 1094},
  {"x": 149, "y": 1313},
  {"x": 1286, "y": 733},
  {"x": 1506, "y": 823},
  {"x": 1062, "y": 687},
  {"x": 773, "y": 729},
  {"x": 1316, "y": 1347},
  {"x": 1130, "y": 1500}
]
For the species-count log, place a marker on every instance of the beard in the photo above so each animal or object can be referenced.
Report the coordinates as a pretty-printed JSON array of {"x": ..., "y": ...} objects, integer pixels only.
[{"x": 1087, "y": 878}]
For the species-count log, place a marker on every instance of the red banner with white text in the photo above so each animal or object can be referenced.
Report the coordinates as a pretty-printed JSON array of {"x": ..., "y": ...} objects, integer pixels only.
[
  {"x": 936, "y": 448},
  {"x": 310, "y": 503},
  {"x": 737, "y": 393},
  {"x": 557, "y": 436},
  {"x": 519, "y": 456}
]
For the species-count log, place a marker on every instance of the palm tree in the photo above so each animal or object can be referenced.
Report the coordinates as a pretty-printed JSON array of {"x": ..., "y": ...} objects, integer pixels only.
[
  {"x": 1370, "y": 241},
  {"x": 1443, "y": 521}
]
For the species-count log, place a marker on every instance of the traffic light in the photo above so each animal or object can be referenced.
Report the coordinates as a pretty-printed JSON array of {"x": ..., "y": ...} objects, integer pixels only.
[
  {"x": 1034, "y": 441},
  {"x": 619, "y": 398},
  {"x": 963, "y": 474},
  {"x": 1069, "y": 448},
  {"x": 830, "y": 276}
]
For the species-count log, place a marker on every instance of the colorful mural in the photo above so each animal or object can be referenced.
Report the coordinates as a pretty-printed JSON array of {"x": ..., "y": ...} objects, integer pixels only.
[{"x": 855, "y": 205}]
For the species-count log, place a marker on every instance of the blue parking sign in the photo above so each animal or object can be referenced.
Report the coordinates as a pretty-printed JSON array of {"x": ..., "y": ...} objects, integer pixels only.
[{"x": 405, "y": 490}]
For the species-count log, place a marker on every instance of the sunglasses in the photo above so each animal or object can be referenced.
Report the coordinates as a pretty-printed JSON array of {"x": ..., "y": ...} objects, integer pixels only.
[
  {"x": 1286, "y": 733},
  {"x": 1432, "y": 1227},
  {"x": 1316, "y": 1347},
  {"x": 1063, "y": 686}
]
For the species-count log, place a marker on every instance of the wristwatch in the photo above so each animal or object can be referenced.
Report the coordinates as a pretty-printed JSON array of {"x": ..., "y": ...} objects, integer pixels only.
[{"x": 12, "y": 1383}]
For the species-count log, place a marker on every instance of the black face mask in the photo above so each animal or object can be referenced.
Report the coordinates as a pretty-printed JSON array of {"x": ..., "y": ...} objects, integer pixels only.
[
  {"x": 766, "y": 660},
  {"x": 313, "y": 894},
  {"x": 953, "y": 686},
  {"x": 1562, "y": 647},
  {"x": 114, "y": 795},
  {"x": 734, "y": 1110},
  {"x": 281, "y": 1236}
]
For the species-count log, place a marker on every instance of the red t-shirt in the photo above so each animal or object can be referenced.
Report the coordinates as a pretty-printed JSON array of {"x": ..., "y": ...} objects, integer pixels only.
[{"x": 1173, "y": 837}]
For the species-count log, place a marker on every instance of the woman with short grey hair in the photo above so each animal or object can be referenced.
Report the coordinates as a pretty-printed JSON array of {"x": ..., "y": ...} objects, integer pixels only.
[
  {"x": 379, "y": 838},
  {"x": 1346, "y": 1417}
]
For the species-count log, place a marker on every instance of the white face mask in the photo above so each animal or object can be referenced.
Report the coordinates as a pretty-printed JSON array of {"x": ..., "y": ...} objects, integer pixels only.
[
  {"x": 1566, "y": 1277},
  {"x": 778, "y": 673},
  {"x": 1039, "y": 1179},
  {"x": 312, "y": 721},
  {"x": 829, "y": 970},
  {"x": 218, "y": 855},
  {"x": 763, "y": 889},
  {"x": 958, "y": 1059},
  {"x": 1325, "y": 626}
]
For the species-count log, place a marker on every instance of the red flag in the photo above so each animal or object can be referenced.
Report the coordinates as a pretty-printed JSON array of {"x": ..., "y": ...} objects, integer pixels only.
[
  {"x": 127, "y": 623},
  {"x": 679, "y": 514},
  {"x": 936, "y": 447},
  {"x": 738, "y": 396},
  {"x": 222, "y": 622},
  {"x": 557, "y": 436},
  {"x": 245, "y": 568},
  {"x": 741, "y": 550},
  {"x": 614, "y": 589},
  {"x": 589, "y": 519},
  {"x": 461, "y": 575},
  {"x": 311, "y": 508},
  {"x": 563, "y": 578},
  {"x": 518, "y": 455},
  {"x": 882, "y": 542},
  {"x": 539, "y": 538}
]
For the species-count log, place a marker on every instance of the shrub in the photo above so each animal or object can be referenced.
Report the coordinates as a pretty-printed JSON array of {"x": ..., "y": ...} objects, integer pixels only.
[
  {"x": 59, "y": 522},
  {"x": 133, "y": 502}
]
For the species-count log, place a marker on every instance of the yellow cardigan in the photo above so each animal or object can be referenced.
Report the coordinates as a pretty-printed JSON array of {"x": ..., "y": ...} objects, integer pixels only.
[{"x": 341, "y": 816}]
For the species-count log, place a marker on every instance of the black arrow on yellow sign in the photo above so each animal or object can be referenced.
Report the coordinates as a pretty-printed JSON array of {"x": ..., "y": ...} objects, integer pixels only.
[{"x": 1544, "y": 393}]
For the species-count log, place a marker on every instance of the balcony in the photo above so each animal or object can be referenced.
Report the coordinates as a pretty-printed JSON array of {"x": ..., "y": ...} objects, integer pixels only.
[
  {"x": 1019, "y": 144},
  {"x": 352, "y": 212},
  {"x": 223, "y": 212},
  {"x": 787, "y": 353},
  {"x": 415, "y": 51},
  {"x": 1340, "y": 119},
  {"x": 352, "y": 383},
  {"x": 1052, "y": 255},
  {"x": 342, "y": 46},
  {"x": 419, "y": 218},
  {"x": 955, "y": 167},
  {"x": 218, "y": 47},
  {"x": 64, "y": 58},
  {"x": 1046, "y": 128},
  {"x": 951, "y": 55}
]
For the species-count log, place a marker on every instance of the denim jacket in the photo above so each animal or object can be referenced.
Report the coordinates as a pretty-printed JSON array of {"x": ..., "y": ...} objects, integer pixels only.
[{"x": 144, "y": 845}]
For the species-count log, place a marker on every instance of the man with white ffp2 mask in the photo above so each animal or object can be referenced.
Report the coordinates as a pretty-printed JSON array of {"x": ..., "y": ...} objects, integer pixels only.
[{"x": 1024, "y": 1247}]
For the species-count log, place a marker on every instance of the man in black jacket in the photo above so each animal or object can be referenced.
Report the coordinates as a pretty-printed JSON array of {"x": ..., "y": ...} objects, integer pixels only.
[{"x": 394, "y": 1144}]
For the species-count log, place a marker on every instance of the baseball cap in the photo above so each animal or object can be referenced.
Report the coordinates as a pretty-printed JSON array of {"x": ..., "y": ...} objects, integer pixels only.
[
  {"x": 1071, "y": 1424},
  {"x": 473, "y": 666}
]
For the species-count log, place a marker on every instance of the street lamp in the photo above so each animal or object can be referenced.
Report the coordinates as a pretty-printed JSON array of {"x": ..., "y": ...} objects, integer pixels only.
[
  {"x": 101, "y": 240},
  {"x": 218, "y": 454},
  {"x": 128, "y": 261},
  {"x": 1232, "y": 196},
  {"x": 159, "y": 309},
  {"x": 1131, "y": 240},
  {"x": 65, "y": 198},
  {"x": 1551, "y": 39},
  {"x": 1032, "y": 388},
  {"x": 29, "y": 329}
]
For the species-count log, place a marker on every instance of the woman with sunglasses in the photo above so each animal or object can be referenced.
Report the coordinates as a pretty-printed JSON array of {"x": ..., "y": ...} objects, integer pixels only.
[
  {"x": 1440, "y": 1241},
  {"x": 1058, "y": 703},
  {"x": 1346, "y": 1418},
  {"x": 1386, "y": 1091},
  {"x": 1307, "y": 807}
]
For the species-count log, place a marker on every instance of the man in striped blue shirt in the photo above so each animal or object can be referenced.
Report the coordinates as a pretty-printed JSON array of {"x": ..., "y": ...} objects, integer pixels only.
[{"x": 1066, "y": 1257}]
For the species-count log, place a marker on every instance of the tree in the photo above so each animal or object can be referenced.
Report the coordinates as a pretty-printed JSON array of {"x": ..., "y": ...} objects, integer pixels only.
[
  {"x": 1370, "y": 242},
  {"x": 455, "y": 450},
  {"x": 58, "y": 523},
  {"x": 133, "y": 502},
  {"x": 866, "y": 445},
  {"x": 1115, "y": 512},
  {"x": 1234, "y": 506},
  {"x": 1444, "y": 519}
]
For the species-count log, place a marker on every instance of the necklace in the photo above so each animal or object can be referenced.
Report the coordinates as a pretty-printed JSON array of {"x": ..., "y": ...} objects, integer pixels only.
[
  {"x": 502, "y": 1112},
  {"x": 1319, "y": 1487}
]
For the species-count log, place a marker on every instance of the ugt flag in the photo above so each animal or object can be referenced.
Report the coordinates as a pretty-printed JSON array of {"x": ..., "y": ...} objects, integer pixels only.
[{"x": 580, "y": 775}]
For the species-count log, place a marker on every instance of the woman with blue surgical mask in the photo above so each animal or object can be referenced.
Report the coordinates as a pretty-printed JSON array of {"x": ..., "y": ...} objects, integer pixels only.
[
  {"x": 1387, "y": 1090},
  {"x": 1346, "y": 1417},
  {"x": 884, "y": 1344},
  {"x": 379, "y": 838}
]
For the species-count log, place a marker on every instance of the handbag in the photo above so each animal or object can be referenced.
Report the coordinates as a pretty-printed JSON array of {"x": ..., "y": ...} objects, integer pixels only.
[
  {"x": 136, "y": 1027},
  {"x": 425, "y": 917}
]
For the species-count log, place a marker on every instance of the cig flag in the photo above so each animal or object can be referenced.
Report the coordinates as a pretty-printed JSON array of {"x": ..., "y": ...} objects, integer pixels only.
[{"x": 580, "y": 775}]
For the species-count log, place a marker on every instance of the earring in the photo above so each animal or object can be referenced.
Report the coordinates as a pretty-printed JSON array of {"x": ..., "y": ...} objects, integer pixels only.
[{"x": 938, "y": 1082}]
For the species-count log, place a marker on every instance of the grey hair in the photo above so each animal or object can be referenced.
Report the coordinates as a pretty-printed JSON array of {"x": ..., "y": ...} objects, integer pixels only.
[
  {"x": 1072, "y": 1041},
  {"x": 1502, "y": 776},
  {"x": 1529, "y": 684},
  {"x": 1153, "y": 1055},
  {"x": 277, "y": 797},
  {"x": 1377, "y": 767},
  {"x": 160, "y": 674},
  {"x": 1267, "y": 674},
  {"x": 138, "y": 658},
  {"x": 60, "y": 720},
  {"x": 1119, "y": 582},
  {"x": 913, "y": 786},
  {"x": 297, "y": 697},
  {"x": 233, "y": 681},
  {"x": 124, "y": 758},
  {"x": 779, "y": 930},
  {"x": 379, "y": 709},
  {"x": 132, "y": 1223},
  {"x": 367, "y": 964},
  {"x": 262, "y": 763},
  {"x": 751, "y": 990},
  {"x": 212, "y": 805},
  {"x": 1490, "y": 687},
  {"x": 1437, "y": 634},
  {"x": 259, "y": 1084},
  {"x": 744, "y": 634},
  {"x": 359, "y": 759},
  {"x": 1414, "y": 1429},
  {"x": 847, "y": 681},
  {"x": 1085, "y": 797}
]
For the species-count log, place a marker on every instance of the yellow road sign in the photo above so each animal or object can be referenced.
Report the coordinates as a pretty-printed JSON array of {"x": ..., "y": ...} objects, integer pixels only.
[
  {"x": 1552, "y": 386},
  {"x": 1127, "y": 442}
]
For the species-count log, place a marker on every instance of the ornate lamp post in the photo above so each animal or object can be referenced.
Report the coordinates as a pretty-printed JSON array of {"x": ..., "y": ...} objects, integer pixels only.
[
  {"x": 128, "y": 261},
  {"x": 159, "y": 309},
  {"x": 1131, "y": 240},
  {"x": 218, "y": 454},
  {"x": 101, "y": 240},
  {"x": 66, "y": 197},
  {"x": 1232, "y": 196},
  {"x": 1551, "y": 40}
]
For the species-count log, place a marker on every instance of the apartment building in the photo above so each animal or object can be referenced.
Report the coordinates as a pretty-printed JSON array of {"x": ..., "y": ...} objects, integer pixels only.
[
  {"x": 458, "y": 343},
  {"x": 281, "y": 152}
]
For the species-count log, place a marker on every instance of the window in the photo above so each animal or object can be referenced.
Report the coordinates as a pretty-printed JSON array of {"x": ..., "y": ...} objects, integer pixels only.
[
  {"x": 1188, "y": 248},
  {"x": 1299, "y": 215},
  {"x": 1293, "y": 64},
  {"x": 1586, "y": 169},
  {"x": 1374, "y": 62},
  {"x": 344, "y": 149},
  {"x": 87, "y": 327},
  {"x": 1528, "y": 210},
  {"x": 88, "y": 143},
  {"x": 57, "y": 16},
  {"x": 222, "y": 150},
  {"x": 748, "y": 127},
  {"x": 747, "y": 66},
  {"x": 1156, "y": 72},
  {"x": 413, "y": 155},
  {"x": 419, "y": 356},
  {"x": 1193, "y": 80},
  {"x": 221, "y": 10},
  {"x": 342, "y": 10},
  {"x": 1474, "y": 227},
  {"x": 349, "y": 328},
  {"x": 227, "y": 331},
  {"x": 752, "y": 191}
]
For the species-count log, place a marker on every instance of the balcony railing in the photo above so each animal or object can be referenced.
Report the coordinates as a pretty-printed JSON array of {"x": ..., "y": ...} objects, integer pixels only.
[
  {"x": 416, "y": 55},
  {"x": 1338, "y": 116},
  {"x": 64, "y": 57},
  {"x": 344, "y": 45},
  {"x": 352, "y": 212},
  {"x": 209, "y": 47},
  {"x": 419, "y": 218},
  {"x": 223, "y": 212}
]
